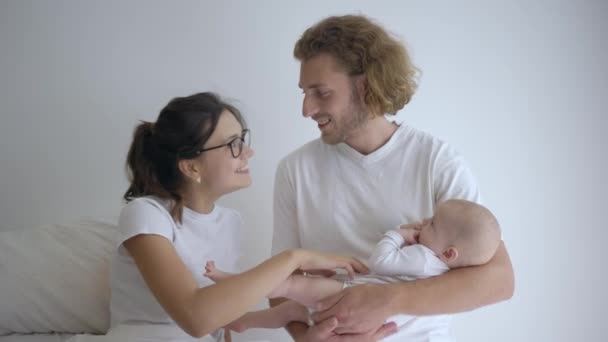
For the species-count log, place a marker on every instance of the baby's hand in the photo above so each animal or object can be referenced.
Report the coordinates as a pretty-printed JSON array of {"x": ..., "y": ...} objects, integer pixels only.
[
  {"x": 410, "y": 232},
  {"x": 210, "y": 267},
  {"x": 211, "y": 271},
  {"x": 214, "y": 273}
]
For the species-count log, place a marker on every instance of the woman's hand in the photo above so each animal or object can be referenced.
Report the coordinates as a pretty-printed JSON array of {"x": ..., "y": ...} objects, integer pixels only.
[{"x": 310, "y": 261}]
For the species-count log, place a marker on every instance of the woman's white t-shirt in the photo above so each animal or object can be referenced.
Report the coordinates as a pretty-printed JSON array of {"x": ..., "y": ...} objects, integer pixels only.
[{"x": 199, "y": 238}]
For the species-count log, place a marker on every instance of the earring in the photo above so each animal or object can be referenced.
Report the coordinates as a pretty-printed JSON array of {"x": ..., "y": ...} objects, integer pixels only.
[{"x": 198, "y": 180}]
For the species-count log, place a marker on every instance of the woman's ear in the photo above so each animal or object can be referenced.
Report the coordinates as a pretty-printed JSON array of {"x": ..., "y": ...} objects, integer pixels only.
[
  {"x": 190, "y": 170},
  {"x": 450, "y": 254}
]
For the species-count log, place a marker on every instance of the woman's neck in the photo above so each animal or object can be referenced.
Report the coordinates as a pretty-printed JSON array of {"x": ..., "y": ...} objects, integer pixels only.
[{"x": 201, "y": 203}]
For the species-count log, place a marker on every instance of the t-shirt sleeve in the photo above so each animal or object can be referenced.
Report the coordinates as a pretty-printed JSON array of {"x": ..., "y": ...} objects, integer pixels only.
[
  {"x": 452, "y": 177},
  {"x": 144, "y": 216},
  {"x": 285, "y": 224}
]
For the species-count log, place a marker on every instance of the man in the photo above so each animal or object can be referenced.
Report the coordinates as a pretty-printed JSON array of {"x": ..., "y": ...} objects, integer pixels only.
[{"x": 367, "y": 175}]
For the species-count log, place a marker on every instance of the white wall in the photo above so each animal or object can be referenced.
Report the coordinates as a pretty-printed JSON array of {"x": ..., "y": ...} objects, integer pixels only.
[{"x": 519, "y": 87}]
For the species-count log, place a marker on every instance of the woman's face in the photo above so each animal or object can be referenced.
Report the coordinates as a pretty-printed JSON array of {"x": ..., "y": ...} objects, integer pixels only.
[{"x": 222, "y": 173}]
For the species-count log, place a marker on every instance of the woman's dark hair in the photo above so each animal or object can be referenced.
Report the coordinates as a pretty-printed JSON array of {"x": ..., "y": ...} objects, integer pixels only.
[{"x": 182, "y": 128}]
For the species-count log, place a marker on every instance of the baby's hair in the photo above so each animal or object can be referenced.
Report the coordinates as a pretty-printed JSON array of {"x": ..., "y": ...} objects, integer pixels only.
[{"x": 473, "y": 230}]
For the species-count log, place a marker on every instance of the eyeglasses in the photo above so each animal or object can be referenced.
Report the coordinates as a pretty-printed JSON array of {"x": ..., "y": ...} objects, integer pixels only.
[{"x": 236, "y": 144}]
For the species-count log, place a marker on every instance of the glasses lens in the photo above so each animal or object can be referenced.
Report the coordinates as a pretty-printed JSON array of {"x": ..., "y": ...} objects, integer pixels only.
[
  {"x": 247, "y": 137},
  {"x": 236, "y": 146}
]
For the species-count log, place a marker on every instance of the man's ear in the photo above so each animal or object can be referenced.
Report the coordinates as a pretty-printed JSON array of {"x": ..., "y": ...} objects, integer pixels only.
[
  {"x": 450, "y": 254},
  {"x": 190, "y": 170},
  {"x": 361, "y": 86}
]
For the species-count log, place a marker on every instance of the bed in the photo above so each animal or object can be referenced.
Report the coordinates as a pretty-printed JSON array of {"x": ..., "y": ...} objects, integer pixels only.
[
  {"x": 54, "y": 281},
  {"x": 35, "y": 338}
]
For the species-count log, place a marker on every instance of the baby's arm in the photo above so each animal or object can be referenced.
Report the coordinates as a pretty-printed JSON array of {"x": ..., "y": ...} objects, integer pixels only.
[
  {"x": 306, "y": 290},
  {"x": 390, "y": 259}
]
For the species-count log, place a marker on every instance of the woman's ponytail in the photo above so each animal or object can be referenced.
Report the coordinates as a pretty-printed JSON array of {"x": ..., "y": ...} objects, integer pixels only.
[{"x": 140, "y": 164}]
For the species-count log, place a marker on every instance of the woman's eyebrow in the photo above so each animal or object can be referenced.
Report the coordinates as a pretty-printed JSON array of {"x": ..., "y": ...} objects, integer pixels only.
[{"x": 232, "y": 137}]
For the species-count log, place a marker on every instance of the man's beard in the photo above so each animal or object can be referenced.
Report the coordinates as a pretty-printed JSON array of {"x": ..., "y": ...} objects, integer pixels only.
[{"x": 355, "y": 117}]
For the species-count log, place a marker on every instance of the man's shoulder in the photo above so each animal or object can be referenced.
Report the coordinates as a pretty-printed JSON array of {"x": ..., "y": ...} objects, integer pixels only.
[
  {"x": 418, "y": 141},
  {"x": 420, "y": 136},
  {"x": 310, "y": 150}
]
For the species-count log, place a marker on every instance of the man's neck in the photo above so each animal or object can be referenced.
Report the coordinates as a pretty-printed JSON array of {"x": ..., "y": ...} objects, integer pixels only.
[{"x": 372, "y": 135}]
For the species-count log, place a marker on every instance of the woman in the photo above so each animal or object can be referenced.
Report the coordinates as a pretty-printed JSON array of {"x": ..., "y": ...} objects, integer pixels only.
[{"x": 196, "y": 152}]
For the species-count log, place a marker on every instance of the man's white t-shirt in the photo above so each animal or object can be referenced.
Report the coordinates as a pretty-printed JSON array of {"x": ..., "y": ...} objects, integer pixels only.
[
  {"x": 199, "y": 238},
  {"x": 332, "y": 199}
]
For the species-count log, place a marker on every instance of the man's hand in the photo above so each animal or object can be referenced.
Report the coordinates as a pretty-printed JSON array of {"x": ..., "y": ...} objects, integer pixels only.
[
  {"x": 359, "y": 309},
  {"x": 324, "y": 332}
]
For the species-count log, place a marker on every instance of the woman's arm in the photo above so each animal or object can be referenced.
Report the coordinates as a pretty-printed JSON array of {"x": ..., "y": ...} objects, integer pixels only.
[{"x": 199, "y": 311}]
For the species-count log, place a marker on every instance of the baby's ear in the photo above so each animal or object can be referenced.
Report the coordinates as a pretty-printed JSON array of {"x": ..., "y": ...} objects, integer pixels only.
[{"x": 450, "y": 254}]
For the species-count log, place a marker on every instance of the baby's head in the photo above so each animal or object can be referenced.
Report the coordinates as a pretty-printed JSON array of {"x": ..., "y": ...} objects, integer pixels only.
[{"x": 461, "y": 233}]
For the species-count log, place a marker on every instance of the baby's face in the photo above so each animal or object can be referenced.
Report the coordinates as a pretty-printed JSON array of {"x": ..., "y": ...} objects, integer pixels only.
[{"x": 430, "y": 235}]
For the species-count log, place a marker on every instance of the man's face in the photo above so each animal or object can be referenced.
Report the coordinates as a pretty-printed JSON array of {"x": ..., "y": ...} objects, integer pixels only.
[{"x": 331, "y": 99}]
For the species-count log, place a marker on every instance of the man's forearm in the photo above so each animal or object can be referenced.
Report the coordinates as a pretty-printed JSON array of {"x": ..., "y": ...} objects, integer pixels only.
[
  {"x": 295, "y": 329},
  {"x": 458, "y": 290}
]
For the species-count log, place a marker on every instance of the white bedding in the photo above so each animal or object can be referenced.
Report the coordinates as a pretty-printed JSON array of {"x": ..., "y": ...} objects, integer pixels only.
[
  {"x": 54, "y": 278},
  {"x": 145, "y": 333},
  {"x": 35, "y": 338}
]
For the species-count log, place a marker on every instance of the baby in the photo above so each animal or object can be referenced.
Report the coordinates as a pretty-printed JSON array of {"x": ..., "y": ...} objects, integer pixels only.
[{"x": 461, "y": 233}]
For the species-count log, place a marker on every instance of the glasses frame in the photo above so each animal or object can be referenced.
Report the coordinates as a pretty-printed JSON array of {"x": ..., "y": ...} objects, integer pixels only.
[{"x": 243, "y": 138}]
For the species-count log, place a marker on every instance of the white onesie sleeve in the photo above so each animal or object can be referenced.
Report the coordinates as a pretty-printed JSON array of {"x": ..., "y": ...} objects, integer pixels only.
[{"x": 390, "y": 259}]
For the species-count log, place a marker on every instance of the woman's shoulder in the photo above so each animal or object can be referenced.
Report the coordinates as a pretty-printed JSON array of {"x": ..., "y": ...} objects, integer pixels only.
[
  {"x": 227, "y": 212},
  {"x": 146, "y": 203},
  {"x": 146, "y": 207},
  {"x": 311, "y": 149},
  {"x": 146, "y": 215}
]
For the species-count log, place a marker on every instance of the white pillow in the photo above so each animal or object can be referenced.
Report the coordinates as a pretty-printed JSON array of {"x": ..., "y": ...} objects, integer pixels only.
[{"x": 55, "y": 278}]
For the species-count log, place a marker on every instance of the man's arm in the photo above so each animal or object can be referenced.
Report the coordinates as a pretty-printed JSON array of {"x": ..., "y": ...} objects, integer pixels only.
[
  {"x": 324, "y": 331},
  {"x": 295, "y": 329},
  {"x": 461, "y": 289},
  {"x": 361, "y": 308}
]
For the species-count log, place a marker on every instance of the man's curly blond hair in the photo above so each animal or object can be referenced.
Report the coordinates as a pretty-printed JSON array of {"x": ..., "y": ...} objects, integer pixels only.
[{"x": 362, "y": 47}]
